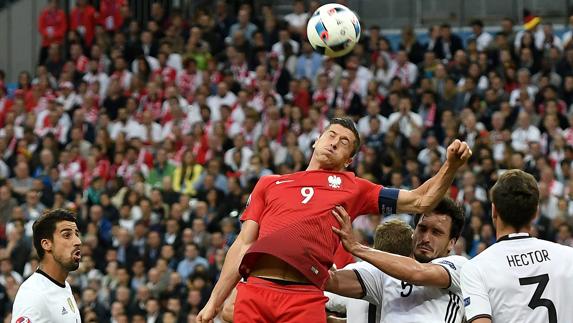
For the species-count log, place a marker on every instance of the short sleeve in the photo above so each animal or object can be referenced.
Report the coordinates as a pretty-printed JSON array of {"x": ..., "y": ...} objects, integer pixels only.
[
  {"x": 476, "y": 299},
  {"x": 256, "y": 202},
  {"x": 453, "y": 265},
  {"x": 335, "y": 303},
  {"x": 369, "y": 194},
  {"x": 371, "y": 279},
  {"x": 28, "y": 305}
]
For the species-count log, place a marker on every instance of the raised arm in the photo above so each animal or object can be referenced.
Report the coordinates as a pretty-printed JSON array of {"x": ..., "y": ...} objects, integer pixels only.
[
  {"x": 230, "y": 272},
  {"x": 399, "y": 267},
  {"x": 428, "y": 195}
]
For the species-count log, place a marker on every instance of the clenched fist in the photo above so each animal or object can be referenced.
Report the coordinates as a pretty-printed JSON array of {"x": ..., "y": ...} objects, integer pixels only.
[{"x": 458, "y": 153}]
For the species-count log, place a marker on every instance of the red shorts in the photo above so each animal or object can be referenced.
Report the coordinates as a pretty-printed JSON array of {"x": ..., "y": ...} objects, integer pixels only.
[{"x": 259, "y": 300}]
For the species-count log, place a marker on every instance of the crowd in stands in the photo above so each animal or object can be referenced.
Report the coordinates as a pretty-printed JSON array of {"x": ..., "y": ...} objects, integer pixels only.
[{"x": 155, "y": 134}]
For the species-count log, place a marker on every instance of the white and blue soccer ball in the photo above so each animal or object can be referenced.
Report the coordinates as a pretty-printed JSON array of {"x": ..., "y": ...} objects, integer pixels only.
[{"x": 333, "y": 30}]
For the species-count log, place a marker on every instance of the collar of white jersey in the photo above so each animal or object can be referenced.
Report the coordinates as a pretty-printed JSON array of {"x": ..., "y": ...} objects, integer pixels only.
[{"x": 514, "y": 236}]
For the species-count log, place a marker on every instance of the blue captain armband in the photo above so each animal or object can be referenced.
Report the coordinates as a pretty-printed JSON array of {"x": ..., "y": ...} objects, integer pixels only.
[{"x": 388, "y": 200}]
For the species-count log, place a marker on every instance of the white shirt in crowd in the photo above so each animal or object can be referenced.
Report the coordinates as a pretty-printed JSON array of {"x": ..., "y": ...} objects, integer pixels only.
[
  {"x": 296, "y": 20},
  {"x": 405, "y": 124},
  {"x": 215, "y": 102},
  {"x": 483, "y": 41},
  {"x": 520, "y": 138},
  {"x": 364, "y": 124}
]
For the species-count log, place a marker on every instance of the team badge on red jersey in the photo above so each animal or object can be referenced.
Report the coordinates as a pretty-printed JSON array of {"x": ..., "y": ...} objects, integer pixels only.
[{"x": 334, "y": 181}]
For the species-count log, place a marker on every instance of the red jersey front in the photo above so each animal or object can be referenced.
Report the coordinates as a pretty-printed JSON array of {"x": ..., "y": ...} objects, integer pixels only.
[{"x": 294, "y": 216}]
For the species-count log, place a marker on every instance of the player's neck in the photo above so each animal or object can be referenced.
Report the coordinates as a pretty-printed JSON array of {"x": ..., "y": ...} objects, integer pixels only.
[
  {"x": 314, "y": 165},
  {"x": 55, "y": 271},
  {"x": 503, "y": 230}
]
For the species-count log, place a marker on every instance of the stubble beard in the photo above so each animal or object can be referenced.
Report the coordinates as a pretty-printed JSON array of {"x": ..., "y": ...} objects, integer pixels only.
[{"x": 70, "y": 265}]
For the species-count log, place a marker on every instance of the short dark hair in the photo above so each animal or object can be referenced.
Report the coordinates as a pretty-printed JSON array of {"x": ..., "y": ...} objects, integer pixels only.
[
  {"x": 515, "y": 196},
  {"x": 477, "y": 22},
  {"x": 450, "y": 208},
  {"x": 350, "y": 125},
  {"x": 394, "y": 236},
  {"x": 45, "y": 226}
]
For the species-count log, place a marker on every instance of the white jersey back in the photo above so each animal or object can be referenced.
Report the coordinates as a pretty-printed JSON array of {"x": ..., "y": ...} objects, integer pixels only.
[
  {"x": 520, "y": 279},
  {"x": 41, "y": 299},
  {"x": 357, "y": 310},
  {"x": 406, "y": 303}
]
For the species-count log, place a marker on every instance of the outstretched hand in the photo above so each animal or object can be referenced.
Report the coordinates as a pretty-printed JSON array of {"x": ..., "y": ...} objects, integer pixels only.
[
  {"x": 458, "y": 153},
  {"x": 345, "y": 232}
]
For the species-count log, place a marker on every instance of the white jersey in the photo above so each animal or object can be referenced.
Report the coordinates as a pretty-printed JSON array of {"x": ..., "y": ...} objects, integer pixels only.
[
  {"x": 41, "y": 299},
  {"x": 520, "y": 279},
  {"x": 406, "y": 303},
  {"x": 357, "y": 310}
]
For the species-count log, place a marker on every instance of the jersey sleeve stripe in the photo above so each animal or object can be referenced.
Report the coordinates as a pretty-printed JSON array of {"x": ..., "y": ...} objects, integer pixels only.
[
  {"x": 372, "y": 310},
  {"x": 447, "y": 318},
  {"x": 480, "y": 316},
  {"x": 361, "y": 281},
  {"x": 449, "y": 275}
]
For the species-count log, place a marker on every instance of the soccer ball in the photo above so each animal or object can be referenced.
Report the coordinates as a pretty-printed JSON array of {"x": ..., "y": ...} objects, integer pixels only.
[{"x": 333, "y": 30}]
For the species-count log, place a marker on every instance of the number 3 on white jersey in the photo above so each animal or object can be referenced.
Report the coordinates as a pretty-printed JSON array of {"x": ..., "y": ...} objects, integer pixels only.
[{"x": 307, "y": 193}]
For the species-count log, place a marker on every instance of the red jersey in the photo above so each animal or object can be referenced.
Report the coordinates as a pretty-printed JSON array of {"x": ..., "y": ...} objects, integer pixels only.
[
  {"x": 294, "y": 213},
  {"x": 83, "y": 19},
  {"x": 110, "y": 14},
  {"x": 342, "y": 257},
  {"x": 52, "y": 25}
]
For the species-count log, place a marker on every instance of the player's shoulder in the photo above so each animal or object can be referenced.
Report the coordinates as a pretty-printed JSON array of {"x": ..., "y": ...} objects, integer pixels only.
[
  {"x": 360, "y": 265},
  {"x": 32, "y": 289},
  {"x": 490, "y": 253},
  {"x": 556, "y": 247},
  {"x": 33, "y": 282},
  {"x": 363, "y": 182},
  {"x": 551, "y": 244},
  {"x": 454, "y": 262},
  {"x": 366, "y": 271},
  {"x": 268, "y": 179}
]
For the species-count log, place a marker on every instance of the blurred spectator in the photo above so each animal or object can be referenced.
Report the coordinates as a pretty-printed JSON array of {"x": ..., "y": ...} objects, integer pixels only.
[
  {"x": 110, "y": 14},
  {"x": 483, "y": 39},
  {"x": 83, "y": 19},
  {"x": 52, "y": 25}
]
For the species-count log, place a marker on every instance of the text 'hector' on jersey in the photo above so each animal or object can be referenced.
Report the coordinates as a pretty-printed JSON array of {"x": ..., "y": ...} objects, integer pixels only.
[{"x": 334, "y": 181}]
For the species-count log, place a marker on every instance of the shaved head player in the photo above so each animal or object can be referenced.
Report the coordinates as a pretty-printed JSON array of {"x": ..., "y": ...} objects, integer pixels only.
[{"x": 286, "y": 245}]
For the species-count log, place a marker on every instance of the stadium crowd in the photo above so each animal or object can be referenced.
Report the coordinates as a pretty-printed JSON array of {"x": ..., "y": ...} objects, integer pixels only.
[{"x": 155, "y": 134}]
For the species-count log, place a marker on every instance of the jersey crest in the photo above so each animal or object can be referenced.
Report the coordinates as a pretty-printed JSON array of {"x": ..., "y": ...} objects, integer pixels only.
[{"x": 334, "y": 181}]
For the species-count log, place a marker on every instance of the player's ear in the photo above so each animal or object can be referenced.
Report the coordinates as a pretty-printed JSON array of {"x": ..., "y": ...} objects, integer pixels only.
[
  {"x": 451, "y": 244},
  {"x": 46, "y": 245},
  {"x": 493, "y": 213},
  {"x": 348, "y": 162}
]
